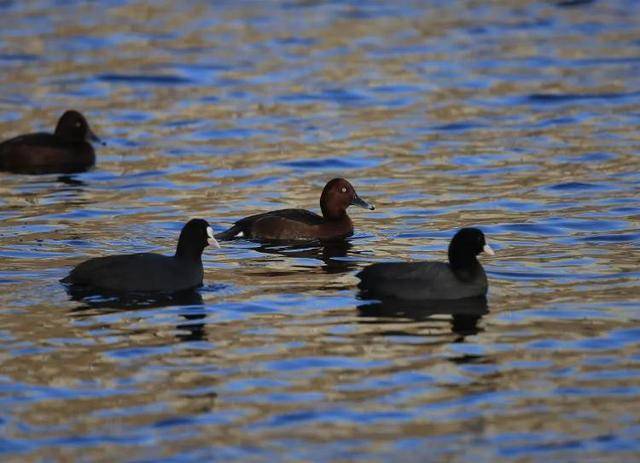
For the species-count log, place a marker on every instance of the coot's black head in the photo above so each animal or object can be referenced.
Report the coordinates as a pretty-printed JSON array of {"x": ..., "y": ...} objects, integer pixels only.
[
  {"x": 194, "y": 237},
  {"x": 73, "y": 126},
  {"x": 337, "y": 196},
  {"x": 466, "y": 244}
]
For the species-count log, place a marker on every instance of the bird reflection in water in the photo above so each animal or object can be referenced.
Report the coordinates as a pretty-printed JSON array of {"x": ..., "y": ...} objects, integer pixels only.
[
  {"x": 104, "y": 303},
  {"x": 465, "y": 313},
  {"x": 331, "y": 253},
  {"x": 71, "y": 180}
]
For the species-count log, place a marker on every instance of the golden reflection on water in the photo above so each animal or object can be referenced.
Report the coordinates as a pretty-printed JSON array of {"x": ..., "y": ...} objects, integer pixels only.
[{"x": 442, "y": 116}]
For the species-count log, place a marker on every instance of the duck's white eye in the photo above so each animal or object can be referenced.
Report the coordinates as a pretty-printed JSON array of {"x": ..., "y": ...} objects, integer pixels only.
[
  {"x": 78, "y": 124},
  {"x": 343, "y": 189}
]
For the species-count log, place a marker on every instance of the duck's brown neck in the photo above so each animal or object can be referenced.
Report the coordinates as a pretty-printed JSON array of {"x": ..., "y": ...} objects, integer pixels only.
[
  {"x": 333, "y": 214},
  {"x": 337, "y": 228}
]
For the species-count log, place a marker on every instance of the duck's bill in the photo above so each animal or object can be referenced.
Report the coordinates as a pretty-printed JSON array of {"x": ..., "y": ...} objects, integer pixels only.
[
  {"x": 210, "y": 239},
  {"x": 93, "y": 137},
  {"x": 358, "y": 201},
  {"x": 487, "y": 250}
]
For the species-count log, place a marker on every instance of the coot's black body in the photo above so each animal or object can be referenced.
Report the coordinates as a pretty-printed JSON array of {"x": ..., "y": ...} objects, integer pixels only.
[
  {"x": 462, "y": 277},
  {"x": 148, "y": 272}
]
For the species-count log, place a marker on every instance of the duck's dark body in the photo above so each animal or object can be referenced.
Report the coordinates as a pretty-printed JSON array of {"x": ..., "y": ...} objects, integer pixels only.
[
  {"x": 43, "y": 153},
  {"x": 65, "y": 151},
  {"x": 289, "y": 224},
  {"x": 301, "y": 224}
]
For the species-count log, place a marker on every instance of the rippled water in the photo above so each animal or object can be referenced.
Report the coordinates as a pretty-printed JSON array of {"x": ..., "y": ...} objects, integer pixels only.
[{"x": 520, "y": 117}]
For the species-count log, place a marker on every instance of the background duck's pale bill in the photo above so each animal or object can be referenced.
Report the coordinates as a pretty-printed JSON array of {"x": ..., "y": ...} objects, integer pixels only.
[{"x": 91, "y": 136}]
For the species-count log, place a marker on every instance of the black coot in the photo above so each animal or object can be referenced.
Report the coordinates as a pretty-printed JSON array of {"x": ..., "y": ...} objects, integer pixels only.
[
  {"x": 462, "y": 277},
  {"x": 147, "y": 272}
]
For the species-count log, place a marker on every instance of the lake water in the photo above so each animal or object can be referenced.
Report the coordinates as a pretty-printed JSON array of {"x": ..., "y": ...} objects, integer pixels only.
[{"x": 522, "y": 118}]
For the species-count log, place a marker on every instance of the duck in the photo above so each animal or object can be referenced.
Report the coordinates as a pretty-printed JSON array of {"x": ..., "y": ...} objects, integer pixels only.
[
  {"x": 149, "y": 272},
  {"x": 301, "y": 224},
  {"x": 462, "y": 277},
  {"x": 67, "y": 150}
]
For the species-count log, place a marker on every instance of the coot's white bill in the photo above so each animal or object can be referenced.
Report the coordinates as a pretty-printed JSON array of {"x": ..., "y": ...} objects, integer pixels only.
[
  {"x": 212, "y": 241},
  {"x": 487, "y": 250}
]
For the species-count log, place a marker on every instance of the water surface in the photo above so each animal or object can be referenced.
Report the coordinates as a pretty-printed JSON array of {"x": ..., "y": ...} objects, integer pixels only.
[{"x": 518, "y": 117}]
